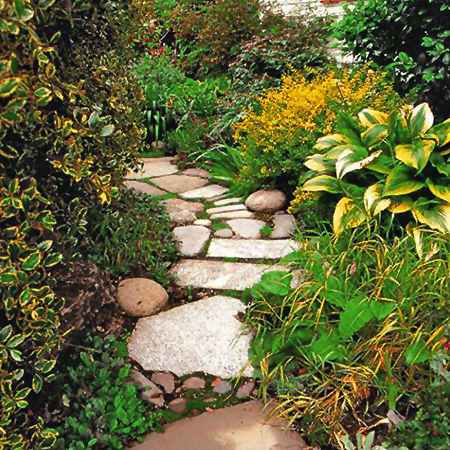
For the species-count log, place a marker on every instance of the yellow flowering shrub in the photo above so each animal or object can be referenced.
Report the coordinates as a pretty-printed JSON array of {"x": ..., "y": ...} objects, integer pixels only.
[{"x": 276, "y": 137}]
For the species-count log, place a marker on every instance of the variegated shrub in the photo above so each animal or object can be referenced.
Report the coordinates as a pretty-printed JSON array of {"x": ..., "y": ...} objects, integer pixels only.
[{"x": 393, "y": 163}]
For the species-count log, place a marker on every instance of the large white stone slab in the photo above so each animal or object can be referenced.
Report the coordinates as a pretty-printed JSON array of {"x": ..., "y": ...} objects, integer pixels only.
[
  {"x": 227, "y": 208},
  {"x": 220, "y": 274},
  {"x": 191, "y": 239},
  {"x": 203, "y": 336},
  {"x": 251, "y": 248},
  {"x": 211, "y": 191},
  {"x": 247, "y": 228},
  {"x": 179, "y": 183},
  {"x": 284, "y": 225},
  {"x": 228, "y": 201},
  {"x": 243, "y": 214},
  {"x": 144, "y": 188},
  {"x": 154, "y": 169}
]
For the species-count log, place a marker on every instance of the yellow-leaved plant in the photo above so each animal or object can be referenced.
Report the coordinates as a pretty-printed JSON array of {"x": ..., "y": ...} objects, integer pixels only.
[{"x": 396, "y": 163}]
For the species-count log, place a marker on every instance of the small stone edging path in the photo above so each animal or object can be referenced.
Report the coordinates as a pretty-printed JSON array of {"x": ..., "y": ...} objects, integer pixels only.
[{"x": 200, "y": 349}]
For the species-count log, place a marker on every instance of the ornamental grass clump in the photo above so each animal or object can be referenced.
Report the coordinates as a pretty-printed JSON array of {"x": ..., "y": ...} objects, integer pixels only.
[{"x": 278, "y": 135}]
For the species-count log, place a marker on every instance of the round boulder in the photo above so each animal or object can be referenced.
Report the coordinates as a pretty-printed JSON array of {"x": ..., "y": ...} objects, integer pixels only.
[
  {"x": 266, "y": 201},
  {"x": 141, "y": 297}
]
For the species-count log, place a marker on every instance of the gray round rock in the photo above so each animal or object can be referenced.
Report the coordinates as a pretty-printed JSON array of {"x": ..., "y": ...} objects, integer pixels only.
[
  {"x": 141, "y": 297},
  {"x": 266, "y": 200}
]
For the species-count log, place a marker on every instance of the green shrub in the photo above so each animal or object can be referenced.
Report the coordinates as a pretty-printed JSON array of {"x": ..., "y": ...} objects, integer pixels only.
[
  {"x": 130, "y": 236},
  {"x": 99, "y": 409},
  {"x": 410, "y": 36},
  {"x": 393, "y": 162}
]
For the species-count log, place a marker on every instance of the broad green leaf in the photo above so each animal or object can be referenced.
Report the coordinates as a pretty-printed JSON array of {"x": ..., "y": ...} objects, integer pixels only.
[
  {"x": 440, "y": 190},
  {"x": 442, "y": 131},
  {"x": 8, "y": 86},
  {"x": 369, "y": 117},
  {"x": 417, "y": 352},
  {"x": 336, "y": 152},
  {"x": 374, "y": 134},
  {"x": 400, "y": 181},
  {"x": 278, "y": 283},
  {"x": 328, "y": 348},
  {"x": 354, "y": 317},
  {"x": 5, "y": 333},
  {"x": 437, "y": 217},
  {"x": 374, "y": 201},
  {"x": 107, "y": 130},
  {"x": 37, "y": 383},
  {"x": 331, "y": 141},
  {"x": 347, "y": 214},
  {"x": 122, "y": 415},
  {"x": 421, "y": 119},
  {"x": 15, "y": 341},
  {"x": 52, "y": 260},
  {"x": 381, "y": 309},
  {"x": 323, "y": 183},
  {"x": 349, "y": 161},
  {"x": 319, "y": 163},
  {"x": 400, "y": 204},
  {"x": 93, "y": 119},
  {"x": 415, "y": 155},
  {"x": 31, "y": 262}
]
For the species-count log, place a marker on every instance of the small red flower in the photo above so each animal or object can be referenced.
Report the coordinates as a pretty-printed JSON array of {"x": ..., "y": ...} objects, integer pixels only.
[
  {"x": 447, "y": 345},
  {"x": 146, "y": 39}
]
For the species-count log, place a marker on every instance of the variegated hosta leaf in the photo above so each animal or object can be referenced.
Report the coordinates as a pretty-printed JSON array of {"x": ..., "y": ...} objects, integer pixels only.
[
  {"x": 323, "y": 183},
  {"x": 440, "y": 190},
  {"x": 375, "y": 134},
  {"x": 350, "y": 161},
  {"x": 400, "y": 204},
  {"x": 374, "y": 201},
  {"x": 381, "y": 164},
  {"x": 437, "y": 218},
  {"x": 442, "y": 131},
  {"x": 319, "y": 163},
  {"x": 331, "y": 141},
  {"x": 415, "y": 155},
  {"x": 369, "y": 117},
  {"x": 347, "y": 214},
  {"x": 337, "y": 151},
  {"x": 401, "y": 181},
  {"x": 421, "y": 119}
]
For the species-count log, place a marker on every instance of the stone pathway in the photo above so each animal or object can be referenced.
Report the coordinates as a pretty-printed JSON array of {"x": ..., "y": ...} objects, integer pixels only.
[{"x": 227, "y": 245}]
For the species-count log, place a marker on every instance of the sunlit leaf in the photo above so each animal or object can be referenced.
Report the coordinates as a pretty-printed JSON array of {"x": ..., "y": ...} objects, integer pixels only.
[{"x": 421, "y": 119}]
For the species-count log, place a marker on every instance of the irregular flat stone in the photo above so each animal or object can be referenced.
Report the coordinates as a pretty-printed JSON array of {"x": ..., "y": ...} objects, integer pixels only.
[
  {"x": 232, "y": 215},
  {"x": 179, "y": 183},
  {"x": 194, "y": 383},
  {"x": 247, "y": 228},
  {"x": 154, "y": 169},
  {"x": 284, "y": 225},
  {"x": 162, "y": 159},
  {"x": 152, "y": 393},
  {"x": 228, "y": 201},
  {"x": 228, "y": 208},
  {"x": 181, "y": 211},
  {"x": 211, "y": 191},
  {"x": 197, "y": 172},
  {"x": 178, "y": 405},
  {"x": 245, "y": 390},
  {"x": 251, "y": 249},
  {"x": 224, "y": 233},
  {"x": 166, "y": 380},
  {"x": 191, "y": 239},
  {"x": 239, "y": 427},
  {"x": 203, "y": 336},
  {"x": 220, "y": 274},
  {"x": 203, "y": 222},
  {"x": 145, "y": 188},
  {"x": 222, "y": 388}
]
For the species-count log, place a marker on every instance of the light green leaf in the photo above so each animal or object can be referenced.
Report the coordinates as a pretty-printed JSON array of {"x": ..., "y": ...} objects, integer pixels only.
[
  {"x": 421, "y": 119},
  {"x": 417, "y": 352},
  {"x": 323, "y": 183},
  {"x": 107, "y": 130},
  {"x": 354, "y": 317},
  {"x": 381, "y": 309},
  {"x": 400, "y": 181}
]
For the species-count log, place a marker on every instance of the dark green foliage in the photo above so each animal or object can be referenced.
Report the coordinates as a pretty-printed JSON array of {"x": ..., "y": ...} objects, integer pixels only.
[
  {"x": 99, "y": 409},
  {"x": 410, "y": 36},
  {"x": 131, "y": 236}
]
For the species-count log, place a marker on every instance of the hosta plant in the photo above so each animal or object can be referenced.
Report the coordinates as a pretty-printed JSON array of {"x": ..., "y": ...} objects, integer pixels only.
[{"x": 393, "y": 163}]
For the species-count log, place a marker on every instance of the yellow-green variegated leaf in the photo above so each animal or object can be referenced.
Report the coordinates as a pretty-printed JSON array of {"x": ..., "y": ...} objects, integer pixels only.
[
  {"x": 421, "y": 119},
  {"x": 350, "y": 161},
  {"x": 415, "y": 155},
  {"x": 374, "y": 201},
  {"x": 437, "y": 218},
  {"x": 331, "y": 141},
  {"x": 400, "y": 204},
  {"x": 323, "y": 183},
  {"x": 439, "y": 190},
  {"x": 442, "y": 132},
  {"x": 375, "y": 134},
  {"x": 401, "y": 181},
  {"x": 319, "y": 163},
  {"x": 369, "y": 117},
  {"x": 347, "y": 214},
  {"x": 336, "y": 152}
]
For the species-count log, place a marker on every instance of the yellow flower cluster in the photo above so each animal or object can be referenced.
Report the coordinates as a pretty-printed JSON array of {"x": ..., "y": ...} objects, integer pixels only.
[{"x": 300, "y": 197}]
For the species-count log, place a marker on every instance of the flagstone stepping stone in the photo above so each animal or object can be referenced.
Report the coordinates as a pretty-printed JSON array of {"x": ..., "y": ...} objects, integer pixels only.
[
  {"x": 153, "y": 394},
  {"x": 266, "y": 200},
  {"x": 228, "y": 208},
  {"x": 245, "y": 390},
  {"x": 222, "y": 388},
  {"x": 240, "y": 427},
  {"x": 204, "y": 336},
  {"x": 178, "y": 405},
  {"x": 181, "y": 211},
  {"x": 247, "y": 228},
  {"x": 141, "y": 297},
  {"x": 179, "y": 183},
  {"x": 220, "y": 274},
  {"x": 211, "y": 191},
  {"x": 232, "y": 215},
  {"x": 283, "y": 226},
  {"x": 251, "y": 249},
  {"x": 228, "y": 201},
  {"x": 203, "y": 222},
  {"x": 153, "y": 169},
  {"x": 166, "y": 380},
  {"x": 191, "y": 239},
  {"x": 162, "y": 159},
  {"x": 197, "y": 172},
  {"x": 224, "y": 233},
  {"x": 145, "y": 188},
  {"x": 194, "y": 383}
]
